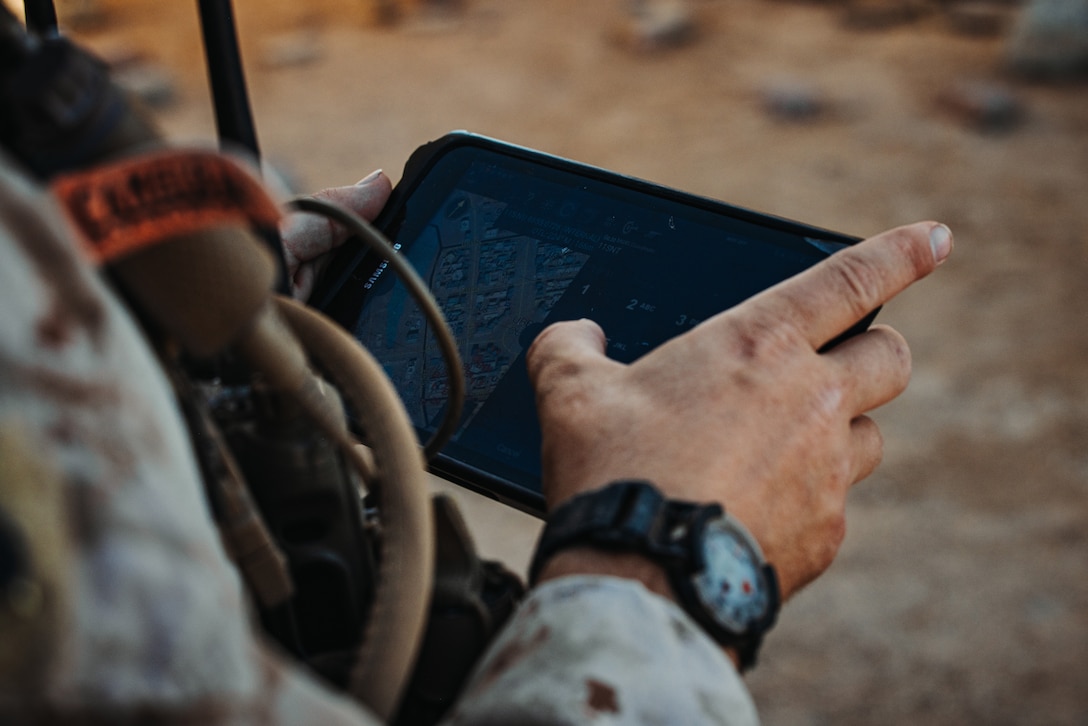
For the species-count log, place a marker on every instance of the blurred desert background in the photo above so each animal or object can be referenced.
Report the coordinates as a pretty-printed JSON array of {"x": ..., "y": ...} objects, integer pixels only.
[{"x": 961, "y": 593}]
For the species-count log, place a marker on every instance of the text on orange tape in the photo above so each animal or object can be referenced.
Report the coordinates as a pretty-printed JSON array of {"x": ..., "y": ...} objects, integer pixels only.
[{"x": 138, "y": 202}]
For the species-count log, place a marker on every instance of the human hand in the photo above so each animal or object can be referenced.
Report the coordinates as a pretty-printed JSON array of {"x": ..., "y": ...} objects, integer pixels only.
[
  {"x": 743, "y": 409},
  {"x": 307, "y": 238}
]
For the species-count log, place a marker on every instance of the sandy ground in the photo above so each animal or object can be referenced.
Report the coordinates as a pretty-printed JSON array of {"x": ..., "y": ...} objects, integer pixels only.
[{"x": 960, "y": 595}]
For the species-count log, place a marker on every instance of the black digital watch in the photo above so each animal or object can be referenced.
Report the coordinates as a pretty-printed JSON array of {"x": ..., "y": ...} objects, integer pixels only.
[{"x": 715, "y": 567}]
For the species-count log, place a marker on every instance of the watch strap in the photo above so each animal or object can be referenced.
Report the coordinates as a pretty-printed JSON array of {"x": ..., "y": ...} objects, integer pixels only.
[{"x": 629, "y": 516}]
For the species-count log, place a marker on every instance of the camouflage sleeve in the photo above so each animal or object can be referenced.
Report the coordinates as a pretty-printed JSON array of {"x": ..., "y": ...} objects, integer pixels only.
[
  {"x": 121, "y": 606},
  {"x": 603, "y": 650}
]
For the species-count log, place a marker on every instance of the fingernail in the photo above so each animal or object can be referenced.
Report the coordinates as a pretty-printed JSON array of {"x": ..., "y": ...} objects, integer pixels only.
[
  {"x": 369, "y": 177},
  {"x": 940, "y": 240}
]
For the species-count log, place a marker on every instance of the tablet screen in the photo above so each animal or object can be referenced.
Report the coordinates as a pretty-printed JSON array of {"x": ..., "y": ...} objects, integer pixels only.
[{"x": 508, "y": 246}]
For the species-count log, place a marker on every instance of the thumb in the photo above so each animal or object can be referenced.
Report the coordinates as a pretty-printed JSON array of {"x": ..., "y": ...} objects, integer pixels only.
[
  {"x": 562, "y": 351},
  {"x": 307, "y": 237},
  {"x": 366, "y": 198}
]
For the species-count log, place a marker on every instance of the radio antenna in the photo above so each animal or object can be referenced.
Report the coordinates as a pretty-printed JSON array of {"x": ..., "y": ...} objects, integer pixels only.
[
  {"x": 233, "y": 117},
  {"x": 41, "y": 17}
]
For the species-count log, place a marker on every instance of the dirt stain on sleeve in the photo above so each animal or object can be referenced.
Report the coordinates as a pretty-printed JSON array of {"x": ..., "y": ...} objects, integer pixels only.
[
  {"x": 508, "y": 656},
  {"x": 601, "y": 697}
]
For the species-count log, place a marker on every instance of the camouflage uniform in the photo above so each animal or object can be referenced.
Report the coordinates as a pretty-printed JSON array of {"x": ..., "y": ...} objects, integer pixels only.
[{"x": 120, "y": 605}]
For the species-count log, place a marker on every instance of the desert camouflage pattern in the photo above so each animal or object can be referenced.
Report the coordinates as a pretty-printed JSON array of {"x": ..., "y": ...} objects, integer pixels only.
[
  {"x": 602, "y": 650},
  {"x": 124, "y": 607}
]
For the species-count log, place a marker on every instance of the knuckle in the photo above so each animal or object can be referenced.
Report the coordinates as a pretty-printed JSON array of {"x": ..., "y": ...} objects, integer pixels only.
[
  {"x": 900, "y": 350},
  {"x": 862, "y": 282},
  {"x": 832, "y": 535},
  {"x": 870, "y": 451},
  {"x": 538, "y": 355},
  {"x": 836, "y": 535},
  {"x": 562, "y": 367},
  {"x": 570, "y": 415},
  {"x": 755, "y": 339},
  {"x": 565, "y": 376},
  {"x": 877, "y": 454},
  {"x": 896, "y": 360},
  {"x": 561, "y": 383},
  {"x": 877, "y": 444}
]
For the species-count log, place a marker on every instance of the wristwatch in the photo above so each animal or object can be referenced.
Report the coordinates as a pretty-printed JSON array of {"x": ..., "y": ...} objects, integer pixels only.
[{"x": 714, "y": 566}]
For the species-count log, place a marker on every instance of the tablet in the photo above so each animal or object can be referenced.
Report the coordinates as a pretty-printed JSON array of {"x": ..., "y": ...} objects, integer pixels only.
[{"x": 511, "y": 240}]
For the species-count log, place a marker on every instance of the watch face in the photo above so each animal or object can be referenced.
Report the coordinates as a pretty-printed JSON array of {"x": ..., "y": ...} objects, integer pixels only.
[{"x": 732, "y": 585}]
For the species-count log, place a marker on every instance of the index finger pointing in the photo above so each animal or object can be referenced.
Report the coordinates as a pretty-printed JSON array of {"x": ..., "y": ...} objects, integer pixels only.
[{"x": 827, "y": 299}]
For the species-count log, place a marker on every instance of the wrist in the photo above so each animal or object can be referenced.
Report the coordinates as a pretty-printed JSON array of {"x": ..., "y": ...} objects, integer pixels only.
[{"x": 590, "y": 561}]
